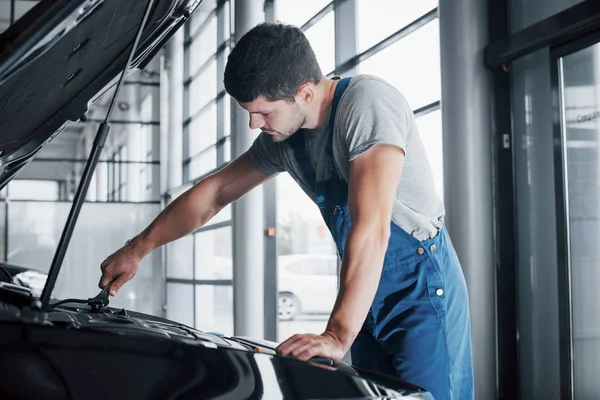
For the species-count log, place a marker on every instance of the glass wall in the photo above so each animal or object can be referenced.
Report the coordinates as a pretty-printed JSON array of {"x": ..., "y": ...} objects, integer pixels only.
[
  {"x": 199, "y": 266},
  {"x": 537, "y": 233},
  {"x": 34, "y": 231},
  {"x": 581, "y": 136},
  {"x": 410, "y": 63},
  {"x": 206, "y": 128}
]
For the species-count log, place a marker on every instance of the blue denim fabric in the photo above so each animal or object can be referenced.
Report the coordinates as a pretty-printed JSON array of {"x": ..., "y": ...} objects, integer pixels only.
[{"x": 418, "y": 326}]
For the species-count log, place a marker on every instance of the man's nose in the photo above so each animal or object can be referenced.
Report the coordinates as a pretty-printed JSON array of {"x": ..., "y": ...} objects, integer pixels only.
[{"x": 256, "y": 122}]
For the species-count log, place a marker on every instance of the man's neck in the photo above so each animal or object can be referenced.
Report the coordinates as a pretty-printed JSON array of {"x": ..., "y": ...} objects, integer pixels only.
[{"x": 326, "y": 91}]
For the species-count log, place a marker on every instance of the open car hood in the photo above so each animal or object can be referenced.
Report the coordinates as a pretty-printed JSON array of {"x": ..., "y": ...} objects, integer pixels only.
[{"x": 61, "y": 56}]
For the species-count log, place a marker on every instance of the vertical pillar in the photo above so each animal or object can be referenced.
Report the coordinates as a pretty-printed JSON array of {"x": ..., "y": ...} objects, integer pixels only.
[
  {"x": 175, "y": 107},
  {"x": 466, "y": 121},
  {"x": 248, "y": 212},
  {"x": 101, "y": 180},
  {"x": 270, "y": 204},
  {"x": 345, "y": 35},
  {"x": 134, "y": 150},
  {"x": 164, "y": 124}
]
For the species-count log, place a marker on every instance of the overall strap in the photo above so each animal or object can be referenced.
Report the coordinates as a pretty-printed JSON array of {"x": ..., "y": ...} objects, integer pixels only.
[
  {"x": 339, "y": 91},
  {"x": 297, "y": 142}
]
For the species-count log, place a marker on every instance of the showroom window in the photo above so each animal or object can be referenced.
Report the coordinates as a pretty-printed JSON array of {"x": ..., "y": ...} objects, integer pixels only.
[
  {"x": 206, "y": 127},
  {"x": 378, "y": 19},
  {"x": 199, "y": 265},
  {"x": 403, "y": 48}
]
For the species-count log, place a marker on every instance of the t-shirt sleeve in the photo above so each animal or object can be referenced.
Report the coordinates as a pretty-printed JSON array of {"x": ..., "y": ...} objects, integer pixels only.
[
  {"x": 265, "y": 155},
  {"x": 374, "y": 112}
]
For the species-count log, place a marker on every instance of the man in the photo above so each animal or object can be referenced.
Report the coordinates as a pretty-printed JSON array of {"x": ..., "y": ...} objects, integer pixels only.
[{"x": 354, "y": 147}]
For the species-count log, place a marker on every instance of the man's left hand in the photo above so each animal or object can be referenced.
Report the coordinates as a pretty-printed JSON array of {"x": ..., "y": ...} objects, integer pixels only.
[{"x": 308, "y": 345}]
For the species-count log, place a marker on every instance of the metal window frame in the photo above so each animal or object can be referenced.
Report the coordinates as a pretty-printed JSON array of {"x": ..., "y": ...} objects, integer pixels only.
[
  {"x": 318, "y": 16},
  {"x": 570, "y": 24},
  {"x": 505, "y": 216},
  {"x": 401, "y": 33}
]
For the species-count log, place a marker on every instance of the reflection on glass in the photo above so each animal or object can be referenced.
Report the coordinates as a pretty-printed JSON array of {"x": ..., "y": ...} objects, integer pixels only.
[
  {"x": 322, "y": 39},
  {"x": 430, "y": 130},
  {"x": 180, "y": 303},
  {"x": 412, "y": 65},
  {"x": 213, "y": 254},
  {"x": 581, "y": 108},
  {"x": 378, "y": 19},
  {"x": 296, "y": 12},
  {"x": 307, "y": 259},
  {"x": 214, "y": 308}
]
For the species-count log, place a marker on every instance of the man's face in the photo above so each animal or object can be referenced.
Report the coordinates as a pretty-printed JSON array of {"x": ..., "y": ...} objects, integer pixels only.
[{"x": 280, "y": 118}]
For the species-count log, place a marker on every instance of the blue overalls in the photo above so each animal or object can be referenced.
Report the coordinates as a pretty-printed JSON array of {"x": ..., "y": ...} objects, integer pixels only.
[{"x": 418, "y": 326}]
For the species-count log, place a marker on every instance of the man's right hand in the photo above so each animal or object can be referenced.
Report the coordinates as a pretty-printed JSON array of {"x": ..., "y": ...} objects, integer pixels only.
[{"x": 122, "y": 266}]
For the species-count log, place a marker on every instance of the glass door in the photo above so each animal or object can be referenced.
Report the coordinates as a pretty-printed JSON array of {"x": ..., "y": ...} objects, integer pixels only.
[{"x": 578, "y": 200}]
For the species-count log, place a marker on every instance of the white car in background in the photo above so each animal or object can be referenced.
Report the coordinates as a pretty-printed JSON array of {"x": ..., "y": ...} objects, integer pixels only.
[{"x": 307, "y": 284}]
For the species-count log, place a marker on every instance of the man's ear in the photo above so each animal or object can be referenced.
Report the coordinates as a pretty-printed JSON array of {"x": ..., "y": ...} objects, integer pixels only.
[{"x": 306, "y": 94}]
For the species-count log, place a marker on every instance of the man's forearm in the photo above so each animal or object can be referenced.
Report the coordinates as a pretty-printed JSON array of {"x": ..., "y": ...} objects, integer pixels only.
[
  {"x": 184, "y": 215},
  {"x": 364, "y": 254}
]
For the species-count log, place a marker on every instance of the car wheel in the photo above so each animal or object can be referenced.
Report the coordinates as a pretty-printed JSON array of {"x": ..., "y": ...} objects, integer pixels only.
[{"x": 288, "y": 306}]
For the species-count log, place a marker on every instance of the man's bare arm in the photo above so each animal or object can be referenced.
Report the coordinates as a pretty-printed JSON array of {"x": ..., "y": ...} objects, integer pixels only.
[
  {"x": 374, "y": 179},
  {"x": 199, "y": 204},
  {"x": 188, "y": 212}
]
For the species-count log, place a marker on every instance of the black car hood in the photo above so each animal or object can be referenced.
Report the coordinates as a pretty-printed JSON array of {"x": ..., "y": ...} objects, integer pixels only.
[
  {"x": 61, "y": 56},
  {"x": 73, "y": 352}
]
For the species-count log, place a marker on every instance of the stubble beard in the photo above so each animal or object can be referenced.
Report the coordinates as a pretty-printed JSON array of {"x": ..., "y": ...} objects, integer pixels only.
[{"x": 297, "y": 123}]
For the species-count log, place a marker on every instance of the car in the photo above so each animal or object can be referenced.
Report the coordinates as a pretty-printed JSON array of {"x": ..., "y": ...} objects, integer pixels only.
[
  {"x": 307, "y": 284},
  {"x": 54, "y": 62},
  {"x": 23, "y": 276}
]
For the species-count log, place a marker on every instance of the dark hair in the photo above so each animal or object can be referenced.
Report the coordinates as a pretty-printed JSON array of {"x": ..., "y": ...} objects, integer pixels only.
[{"x": 271, "y": 60}]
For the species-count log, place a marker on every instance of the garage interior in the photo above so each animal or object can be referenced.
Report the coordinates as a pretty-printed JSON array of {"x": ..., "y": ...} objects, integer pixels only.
[{"x": 507, "y": 99}]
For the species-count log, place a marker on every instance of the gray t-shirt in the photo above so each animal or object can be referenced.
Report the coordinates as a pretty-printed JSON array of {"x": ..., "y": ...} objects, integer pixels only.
[{"x": 370, "y": 111}]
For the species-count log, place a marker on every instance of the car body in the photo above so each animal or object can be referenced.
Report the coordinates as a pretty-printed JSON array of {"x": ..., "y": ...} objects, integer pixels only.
[
  {"x": 307, "y": 284},
  {"x": 54, "y": 62},
  {"x": 26, "y": 277}
]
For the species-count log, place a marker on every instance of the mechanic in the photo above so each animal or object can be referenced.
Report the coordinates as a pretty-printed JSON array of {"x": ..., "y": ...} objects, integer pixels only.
[{"x": 353, "y": 146}]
